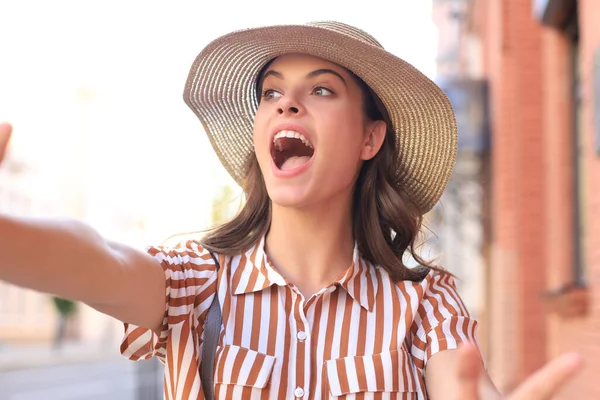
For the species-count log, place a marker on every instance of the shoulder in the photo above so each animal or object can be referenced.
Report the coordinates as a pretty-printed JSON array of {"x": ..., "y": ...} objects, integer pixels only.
[
  {"x": 187, "y": 255},
  {"x": 438, "y": 279},
  {"x": 439, "y": 299},
  {"x": 434, "y": 280},
  {"x": 435, "y": 294}
]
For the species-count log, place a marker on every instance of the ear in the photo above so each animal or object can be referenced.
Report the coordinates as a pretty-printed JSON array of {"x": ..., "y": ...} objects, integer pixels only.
[{"x": 375, "y": 134}]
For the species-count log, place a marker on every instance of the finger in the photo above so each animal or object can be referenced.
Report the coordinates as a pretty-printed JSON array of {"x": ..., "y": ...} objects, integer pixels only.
[
  {"x": 469, "y": 369},
  {"x": 5, "y": 132},
  {"x": 546, "y": 382}
]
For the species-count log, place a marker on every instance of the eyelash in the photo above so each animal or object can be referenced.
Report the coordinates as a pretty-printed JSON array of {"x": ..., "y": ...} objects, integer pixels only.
[
  {"x": 323, "y": 87},
  {"x": 266, "y": 92}
]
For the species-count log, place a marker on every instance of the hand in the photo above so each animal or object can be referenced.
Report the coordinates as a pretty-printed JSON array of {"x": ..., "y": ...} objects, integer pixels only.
[
  {"x": 5, "y": 132},
  {"x": 542, "y": 385}
]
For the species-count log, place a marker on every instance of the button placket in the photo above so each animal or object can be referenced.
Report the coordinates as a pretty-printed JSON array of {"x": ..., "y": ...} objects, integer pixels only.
[
  {"x": 302, "y": 345},
  {"x": 304, "y": 349}
]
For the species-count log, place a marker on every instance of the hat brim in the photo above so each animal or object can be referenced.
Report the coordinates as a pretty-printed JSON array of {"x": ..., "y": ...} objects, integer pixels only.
[{"x": 221, "y": 90}]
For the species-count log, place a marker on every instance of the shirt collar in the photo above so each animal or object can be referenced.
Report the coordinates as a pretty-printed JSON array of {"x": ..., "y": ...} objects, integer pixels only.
[
  {"x": 360, "y": 281},
  {"x": 252, "y": 272}
]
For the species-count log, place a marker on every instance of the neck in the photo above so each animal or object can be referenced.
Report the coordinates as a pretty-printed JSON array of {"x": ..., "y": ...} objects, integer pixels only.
[{"x": 311, "y": 247}]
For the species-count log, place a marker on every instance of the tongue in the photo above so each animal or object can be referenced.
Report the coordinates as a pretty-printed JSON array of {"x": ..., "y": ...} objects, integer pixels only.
[{"x": 294, "y": 162}]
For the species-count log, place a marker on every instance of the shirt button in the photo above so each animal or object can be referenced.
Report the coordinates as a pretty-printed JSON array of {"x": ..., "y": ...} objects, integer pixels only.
[
  {"x": 301, "y": 336},
  {"x": 299, "y": 392}
]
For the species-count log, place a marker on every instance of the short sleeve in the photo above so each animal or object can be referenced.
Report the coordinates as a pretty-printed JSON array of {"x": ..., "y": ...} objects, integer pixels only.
[
  {"x": 190, "y": 286},
  {"x": 442, "y": 321}
]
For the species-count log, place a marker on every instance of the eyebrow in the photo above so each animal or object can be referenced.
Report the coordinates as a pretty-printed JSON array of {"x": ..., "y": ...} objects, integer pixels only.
[{"x": 312, "y": 74}]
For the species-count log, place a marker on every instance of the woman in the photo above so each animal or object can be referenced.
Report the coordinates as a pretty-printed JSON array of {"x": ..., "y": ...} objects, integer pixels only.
[{"x": 350, "y": 147}]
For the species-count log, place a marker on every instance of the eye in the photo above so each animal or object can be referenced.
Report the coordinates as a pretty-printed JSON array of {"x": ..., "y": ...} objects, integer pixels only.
[
  {"x": 321, "y": 91},
  {"x": 270, "y": 94}
]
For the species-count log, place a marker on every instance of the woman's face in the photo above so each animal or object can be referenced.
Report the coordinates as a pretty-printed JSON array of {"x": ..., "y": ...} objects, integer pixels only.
[{"x": 310, "y": 132}]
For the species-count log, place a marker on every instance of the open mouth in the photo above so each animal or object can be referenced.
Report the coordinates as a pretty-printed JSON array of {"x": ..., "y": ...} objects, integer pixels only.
[{"x": 291, "y": 150}]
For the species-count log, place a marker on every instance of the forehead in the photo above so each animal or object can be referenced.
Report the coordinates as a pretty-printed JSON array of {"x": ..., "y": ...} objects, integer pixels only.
[{"x": 303, "y": 62}]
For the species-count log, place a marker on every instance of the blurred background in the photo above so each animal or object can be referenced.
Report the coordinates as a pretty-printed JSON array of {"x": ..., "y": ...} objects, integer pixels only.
[{"x": 101, "y": 133}]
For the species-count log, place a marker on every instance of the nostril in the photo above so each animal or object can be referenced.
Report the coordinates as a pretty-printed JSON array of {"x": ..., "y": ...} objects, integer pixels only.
[{"x": 293, "y": 110}]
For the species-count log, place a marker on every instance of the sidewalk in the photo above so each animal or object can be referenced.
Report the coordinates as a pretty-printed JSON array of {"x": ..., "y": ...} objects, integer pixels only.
[{"x": 19, "y": 357}]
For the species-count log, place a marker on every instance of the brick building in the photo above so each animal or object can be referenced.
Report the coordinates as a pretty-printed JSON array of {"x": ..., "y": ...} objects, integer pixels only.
[{"x": 541, "y": 62}]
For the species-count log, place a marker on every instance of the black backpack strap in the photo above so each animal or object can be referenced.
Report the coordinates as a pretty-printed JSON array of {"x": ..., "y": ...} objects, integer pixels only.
[{"x": 212, "y": 329}]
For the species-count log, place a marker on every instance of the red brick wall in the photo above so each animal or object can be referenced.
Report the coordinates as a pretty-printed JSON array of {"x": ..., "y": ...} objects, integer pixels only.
[
  {"x": 518, "y": 334},
  {"x": 503, "y": 319},
  {"x": 502, "y": 322},
  {"x": 558, "y": 159},
  {"x": 583, "y": 334},
  {"x": 559, "y": 169},
  {"x": 529, "y": 72}
]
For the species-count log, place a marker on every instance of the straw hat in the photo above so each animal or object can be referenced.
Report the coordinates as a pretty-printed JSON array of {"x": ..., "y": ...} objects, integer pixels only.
[{"x": 221, "y": 90}]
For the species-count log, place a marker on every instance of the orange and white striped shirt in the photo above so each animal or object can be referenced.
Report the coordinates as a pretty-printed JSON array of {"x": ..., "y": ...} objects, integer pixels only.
[{"x": 364, "y": 336}]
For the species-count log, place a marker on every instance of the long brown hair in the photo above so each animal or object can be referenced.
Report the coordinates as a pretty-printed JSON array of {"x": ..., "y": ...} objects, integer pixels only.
[{"x": 386, "y": 223}]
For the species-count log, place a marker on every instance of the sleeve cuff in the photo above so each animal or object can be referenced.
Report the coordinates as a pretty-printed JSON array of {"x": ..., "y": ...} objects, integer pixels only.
[{"x": 449, "y": 335}]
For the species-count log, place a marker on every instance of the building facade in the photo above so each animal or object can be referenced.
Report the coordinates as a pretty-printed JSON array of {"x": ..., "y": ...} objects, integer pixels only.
[{"x": 541, "y": 62}]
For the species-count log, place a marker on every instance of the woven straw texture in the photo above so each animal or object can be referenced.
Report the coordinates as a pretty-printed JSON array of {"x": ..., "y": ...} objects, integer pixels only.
[{"x": 221, "y": 90}]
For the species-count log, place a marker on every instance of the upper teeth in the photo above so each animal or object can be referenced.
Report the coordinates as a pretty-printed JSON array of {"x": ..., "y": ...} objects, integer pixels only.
[{"x": 293, "y": 135}]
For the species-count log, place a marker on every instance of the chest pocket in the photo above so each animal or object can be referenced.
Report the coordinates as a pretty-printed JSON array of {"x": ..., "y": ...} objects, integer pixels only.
[
  {"x": 390, "y": 372},
  {"x": 237, "y": 365}
]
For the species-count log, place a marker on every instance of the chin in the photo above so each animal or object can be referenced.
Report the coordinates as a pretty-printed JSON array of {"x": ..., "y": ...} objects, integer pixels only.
[{"x": 290, "y": 197}]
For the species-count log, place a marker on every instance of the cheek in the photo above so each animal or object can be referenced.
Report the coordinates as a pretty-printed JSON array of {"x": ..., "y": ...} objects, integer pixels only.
[
  {"x": 344, "y": 118},
  {"x": 259, "y": 136},
  {"x": 343, "y": 151},
  {"x": 344, "y": 133},
  {"x": 258, "y": 121},
  {"x": 344, "y": 142}
]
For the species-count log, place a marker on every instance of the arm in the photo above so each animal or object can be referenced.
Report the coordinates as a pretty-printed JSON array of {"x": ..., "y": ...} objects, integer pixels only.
[
  {"x": 440, "y": 376},
  {"x": 71, "y": 260},
  {"x": 451, "y": 363},
  {"x": 459, "y": 374}
]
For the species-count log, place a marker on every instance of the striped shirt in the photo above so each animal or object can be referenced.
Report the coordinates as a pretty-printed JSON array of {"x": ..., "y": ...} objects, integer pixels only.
[{"x": 365, "y": 336}]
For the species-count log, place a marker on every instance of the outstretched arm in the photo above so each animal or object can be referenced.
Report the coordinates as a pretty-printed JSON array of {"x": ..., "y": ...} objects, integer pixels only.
[{"x": 69, "y": 259}]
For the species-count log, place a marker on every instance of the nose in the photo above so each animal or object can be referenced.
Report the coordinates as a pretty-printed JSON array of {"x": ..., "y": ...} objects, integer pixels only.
[
  {"x": 289, "y": 106},
  {"x": 290, "y": 110}
]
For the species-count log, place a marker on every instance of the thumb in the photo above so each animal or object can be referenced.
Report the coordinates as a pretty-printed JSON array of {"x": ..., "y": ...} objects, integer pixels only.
[
  {"x": 5, "y": 132},
  {"x": 469, "y": 369}
]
